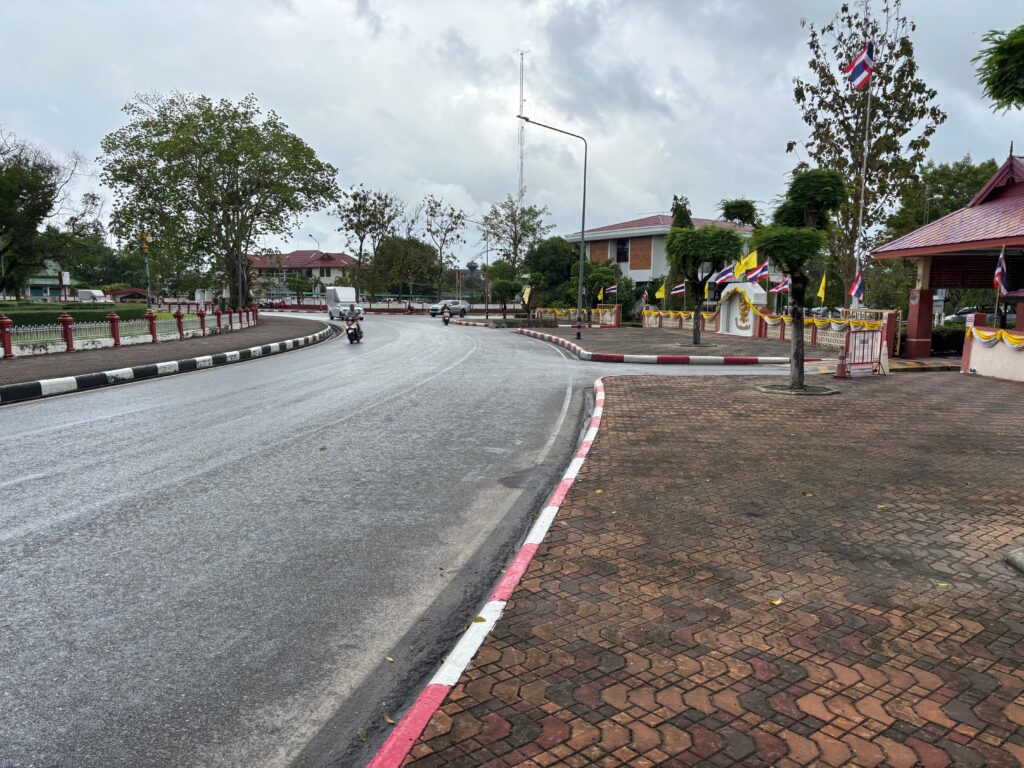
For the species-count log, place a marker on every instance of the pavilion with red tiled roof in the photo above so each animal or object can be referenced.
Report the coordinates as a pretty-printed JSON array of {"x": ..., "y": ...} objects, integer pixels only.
[
  {"x": 637, "y": 246},
  {"x": 961, "y": 249}
]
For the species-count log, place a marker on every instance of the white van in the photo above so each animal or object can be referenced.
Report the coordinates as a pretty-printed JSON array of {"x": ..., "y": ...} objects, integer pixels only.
[
  {"x": 338, "y": 299},
  {"x": 93, "y": 296}
]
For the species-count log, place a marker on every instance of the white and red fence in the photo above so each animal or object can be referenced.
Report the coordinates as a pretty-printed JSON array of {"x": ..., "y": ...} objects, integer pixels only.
[{"x": 66, "y": 335}]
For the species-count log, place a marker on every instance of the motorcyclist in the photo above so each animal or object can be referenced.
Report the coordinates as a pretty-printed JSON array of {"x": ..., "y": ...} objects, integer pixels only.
[
  {"x": 446, "y": 314},
  {"x": 352, "y": 316}
]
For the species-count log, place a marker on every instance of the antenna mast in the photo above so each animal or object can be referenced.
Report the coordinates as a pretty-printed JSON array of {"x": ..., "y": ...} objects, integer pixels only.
[{"x": 522, "y": 130}]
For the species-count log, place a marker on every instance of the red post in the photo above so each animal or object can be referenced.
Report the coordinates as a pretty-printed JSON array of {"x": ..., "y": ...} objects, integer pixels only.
[
  {"x": 239, "y": 311},
  {"x": 201, "y": 314},
  {"x": 217, "y": 313},
  {"x": 5, "y": 336},
  {"x": 919, "y": 324},
  {"x": 814, "y": 334},
  {"x": 247, "y": 321},
  {"x": 151, "y": 319},
  {"x": 115, "y": 328},
  {"x": 66, "y": 321},
  {"x": 255, "y": 313},
  {"x": 177, "y": 319}
]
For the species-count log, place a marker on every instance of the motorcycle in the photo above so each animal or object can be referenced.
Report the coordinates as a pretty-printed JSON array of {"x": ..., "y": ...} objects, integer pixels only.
[
  {"x": 353, "y": 332},
  {"x": 446, "y": 318}
]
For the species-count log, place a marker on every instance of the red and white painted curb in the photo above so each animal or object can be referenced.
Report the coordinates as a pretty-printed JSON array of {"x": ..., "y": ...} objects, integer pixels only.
[
  {"x": 410, "y": 727},
  {"x": 610, "y": 357},
  {"x": 474, "y": 324}
]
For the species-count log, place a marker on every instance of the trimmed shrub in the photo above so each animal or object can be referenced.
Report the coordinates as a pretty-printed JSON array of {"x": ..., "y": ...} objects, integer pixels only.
[
  {"x": 948, "y": 341},
  {"x": 83, "y": 313}
]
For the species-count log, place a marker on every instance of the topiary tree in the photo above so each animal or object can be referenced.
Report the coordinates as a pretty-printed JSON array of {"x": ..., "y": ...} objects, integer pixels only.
[
  {"x": 688, "y": 249},
  {"x": 1000, "y": 68},
  {"x": 740, "y": 211},
  {"x": 794, "y": 241}
]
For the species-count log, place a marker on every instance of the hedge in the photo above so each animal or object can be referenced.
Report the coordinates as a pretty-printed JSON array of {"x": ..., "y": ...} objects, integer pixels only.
[
  {"x": 48, "y": 314},
  {"x": 947, "y": 340}
]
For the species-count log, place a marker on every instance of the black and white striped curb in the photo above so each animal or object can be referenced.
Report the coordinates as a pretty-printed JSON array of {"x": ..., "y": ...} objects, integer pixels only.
[{"x": 32, "y": 390}]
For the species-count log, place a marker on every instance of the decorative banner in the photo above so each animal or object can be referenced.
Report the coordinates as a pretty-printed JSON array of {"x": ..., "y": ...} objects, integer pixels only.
[{"x": 991, "y": 338}]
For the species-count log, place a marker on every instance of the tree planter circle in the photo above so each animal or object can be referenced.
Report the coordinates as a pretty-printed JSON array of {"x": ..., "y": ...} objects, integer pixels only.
[{"x": 807, "y": 391}]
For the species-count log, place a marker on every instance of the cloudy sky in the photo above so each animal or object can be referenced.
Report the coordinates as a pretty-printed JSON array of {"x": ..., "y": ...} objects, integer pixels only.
[{"x": 420, "y": 96}]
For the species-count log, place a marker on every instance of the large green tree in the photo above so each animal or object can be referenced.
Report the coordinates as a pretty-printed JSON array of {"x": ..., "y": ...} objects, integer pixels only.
[
  {"x": 403, "y": 262},
  {"x": 33, "y": 198},
  {"x": 687, "y": 250},
  {"x": 368, "y": 216},
  {"x": 207, "y": 179},
  {"x": 443, "y": 224},
  {"x": 1000, "y": 68},
  {"x": 794, "y": 242},
  {"x": 904, "y": 116},
  {"x": 513, "y": 228}
]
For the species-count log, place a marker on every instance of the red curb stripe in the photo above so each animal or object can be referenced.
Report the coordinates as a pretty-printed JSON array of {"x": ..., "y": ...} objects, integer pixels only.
[
  {"x": 674, "y": 359},
  {"x": 606, "y": 357},
  {"x": 514, "y": 573},
  {"x": 731, "y": 360},
  {"x": 409, "y": 728},
  {"x": 396, "y": 747}
]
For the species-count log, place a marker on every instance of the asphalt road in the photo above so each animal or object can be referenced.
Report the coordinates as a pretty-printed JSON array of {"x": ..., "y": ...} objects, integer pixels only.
[{"x": 210, "y": 569}]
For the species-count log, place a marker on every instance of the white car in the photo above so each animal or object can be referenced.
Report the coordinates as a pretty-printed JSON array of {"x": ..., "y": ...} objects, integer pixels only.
[
  {"x": 455, "y": 306},
  {"x": 338, "y": 313}
]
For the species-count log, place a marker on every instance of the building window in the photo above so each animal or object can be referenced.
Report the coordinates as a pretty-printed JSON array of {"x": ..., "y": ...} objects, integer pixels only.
[
  {"x": 325, "y": 271},
  {"x": 622, "y": 251}
]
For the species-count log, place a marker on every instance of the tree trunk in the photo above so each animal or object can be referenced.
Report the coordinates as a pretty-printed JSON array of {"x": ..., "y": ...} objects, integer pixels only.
[
  {"x": 698, "y": 296},
  {"x": 797, "y": 291}
]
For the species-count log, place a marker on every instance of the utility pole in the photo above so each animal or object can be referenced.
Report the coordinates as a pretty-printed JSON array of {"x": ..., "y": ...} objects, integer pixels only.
[{"x": 144, "y": 239}]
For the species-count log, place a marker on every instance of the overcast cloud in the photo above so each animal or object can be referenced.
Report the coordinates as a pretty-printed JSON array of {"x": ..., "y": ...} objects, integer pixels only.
[{"x": 415, "y": 97}]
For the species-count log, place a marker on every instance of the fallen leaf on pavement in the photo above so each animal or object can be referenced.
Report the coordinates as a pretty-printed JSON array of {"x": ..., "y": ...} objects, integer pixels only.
[
  {"x": 776, "y": 601},
  {"x": 388, "y": 719},
  {"x": 479, "y": 620},
  {"x": 388, "y": 658}
]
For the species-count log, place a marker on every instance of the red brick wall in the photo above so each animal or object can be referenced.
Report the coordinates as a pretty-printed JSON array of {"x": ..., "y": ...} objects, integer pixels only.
[
  {"x": 640, "y": 252},
  {"x": 599, "y": 251}
]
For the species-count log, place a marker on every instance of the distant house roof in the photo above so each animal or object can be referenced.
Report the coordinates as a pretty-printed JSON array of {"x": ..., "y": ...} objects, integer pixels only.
[
  {"x": 301, "y": 260},
  {"x": 994, "y": 218},
  {"x": 658, "y": 224}
]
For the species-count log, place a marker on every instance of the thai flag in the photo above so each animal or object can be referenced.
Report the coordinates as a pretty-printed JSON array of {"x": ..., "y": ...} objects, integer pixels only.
[
  {"x": 781, "y": 287},
  {"x": 857, "y": 289},
  {"x": 756, "y": 274},
  {"x": 677, "y": 289},
  {"x": 611, "y": 290},
  {"x": 1001, "y": 280},
  {"x": 724, "y": 276},
  {"x": 862, "y": 66}
]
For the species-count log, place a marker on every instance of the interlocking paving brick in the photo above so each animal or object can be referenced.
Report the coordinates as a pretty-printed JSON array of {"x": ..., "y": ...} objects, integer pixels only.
[{"x": 767, "y": 581}]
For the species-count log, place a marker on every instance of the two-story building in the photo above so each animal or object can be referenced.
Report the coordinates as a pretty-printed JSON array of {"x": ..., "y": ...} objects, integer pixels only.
[
  {"x": 638, "y": 246},
  {"x": 274, "y": 269}
]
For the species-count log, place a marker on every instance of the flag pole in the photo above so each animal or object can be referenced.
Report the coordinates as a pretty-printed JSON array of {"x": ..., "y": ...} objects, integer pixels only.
[{"x": 863, "y": 176}]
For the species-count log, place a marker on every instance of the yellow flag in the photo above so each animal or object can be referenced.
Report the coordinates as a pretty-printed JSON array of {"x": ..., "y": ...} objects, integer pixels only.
[
  {"x": 600, "y": 295},
  {"x": 745, "y": 264},
  {"x": 821, "y": 288},
  {"x": 660, "y": 293},
  {"x": 526, "y": 294},
  {"x": 706, "y": 286}
]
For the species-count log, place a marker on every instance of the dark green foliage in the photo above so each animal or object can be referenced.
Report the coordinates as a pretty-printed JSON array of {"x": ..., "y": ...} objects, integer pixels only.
[
  {"x": 1000, "y": 68},
  {"x": 401, "y": 262},
  {"x": 740, "y": 210},
  {"x": 813, "y": 194},
  {"x": 938, "y": 190},
  {"x": 947, "y": 340},
  {"x": 550, "y": 265},
  {"x": 792, "y": 249},
  {"x": 83, "y": 313},
  {"x": 681, "y": 212}
]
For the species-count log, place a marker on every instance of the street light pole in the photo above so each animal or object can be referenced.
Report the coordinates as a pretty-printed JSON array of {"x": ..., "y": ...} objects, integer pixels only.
[
  {"x": 315, "y": 241},
  {"x": 145, "y": 256},
  {"x": 583, "y": 218}
]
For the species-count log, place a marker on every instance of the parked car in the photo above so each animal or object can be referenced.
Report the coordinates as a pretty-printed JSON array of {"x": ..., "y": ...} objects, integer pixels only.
[{"x": 455, "y": 306}]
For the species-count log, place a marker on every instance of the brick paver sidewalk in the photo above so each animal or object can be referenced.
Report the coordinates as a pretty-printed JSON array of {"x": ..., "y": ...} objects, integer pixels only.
[
  {"x": 819, "y": 581},
  {"x": 664, "y": 341},
  {"x": 266, "y": 331}
]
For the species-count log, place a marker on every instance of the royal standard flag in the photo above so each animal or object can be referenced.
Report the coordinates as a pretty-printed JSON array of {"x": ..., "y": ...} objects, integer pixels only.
[
  {"x": 600, "y": 295},
  {"x": 745, "y": 264},
  {"x": 821, "y": 288},
  {"x": 706, "y": 286},
  {"x": 526, "y": 294},
  {"x": 660, "y": 293}
]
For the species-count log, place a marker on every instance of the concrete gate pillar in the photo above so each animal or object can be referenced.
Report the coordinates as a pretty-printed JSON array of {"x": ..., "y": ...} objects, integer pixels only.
[{"x": 919, "y": 314}]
